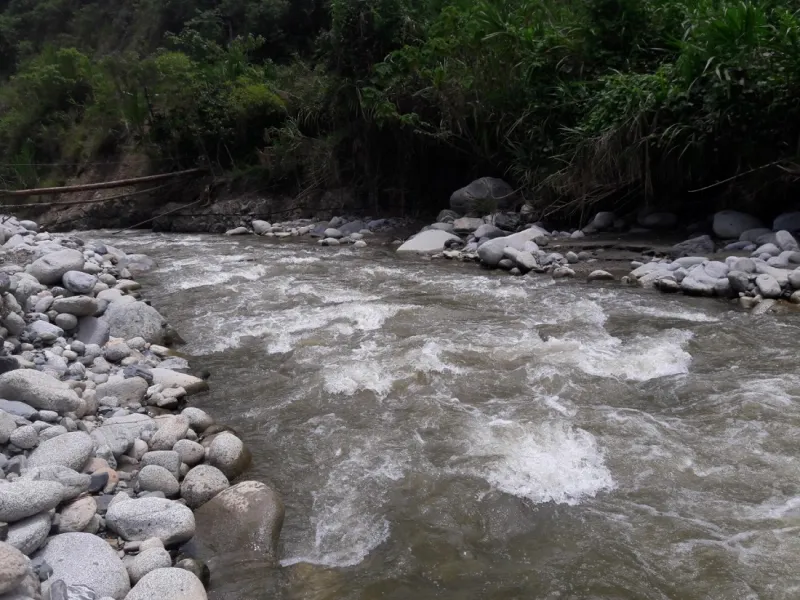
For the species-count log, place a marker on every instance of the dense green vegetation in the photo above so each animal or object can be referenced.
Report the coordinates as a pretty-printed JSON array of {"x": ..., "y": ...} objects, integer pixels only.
[{"x": 622, "y": 102}]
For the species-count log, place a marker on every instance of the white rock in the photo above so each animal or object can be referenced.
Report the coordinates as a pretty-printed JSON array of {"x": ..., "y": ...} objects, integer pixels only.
[{"x": 427, "y": 242}]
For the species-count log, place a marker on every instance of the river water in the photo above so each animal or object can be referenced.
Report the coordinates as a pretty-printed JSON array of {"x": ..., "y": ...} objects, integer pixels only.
[{"x": 440, "y": 431}]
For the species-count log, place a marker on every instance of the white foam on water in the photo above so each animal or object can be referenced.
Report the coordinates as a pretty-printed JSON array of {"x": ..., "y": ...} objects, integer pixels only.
[
  {"x": 348, "y": 517},
  {"x": 428, "y": 359},
  {"x": 545, "y": 462},
  {"x": 679, "y": 314},
  {"x": 298, "y": 260}
]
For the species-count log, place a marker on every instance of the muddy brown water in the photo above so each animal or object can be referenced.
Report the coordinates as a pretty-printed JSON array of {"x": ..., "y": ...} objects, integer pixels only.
[{"x": 442, "y": 432}]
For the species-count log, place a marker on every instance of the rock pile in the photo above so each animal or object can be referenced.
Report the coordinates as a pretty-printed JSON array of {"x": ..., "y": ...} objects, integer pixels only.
[
  {"x": 338, "y": 231},
  {"x": 101, "y": 462}
]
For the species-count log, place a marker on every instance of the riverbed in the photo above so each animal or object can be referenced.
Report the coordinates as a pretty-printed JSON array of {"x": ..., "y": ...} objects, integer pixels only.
[{"x": 442, "y": 431}]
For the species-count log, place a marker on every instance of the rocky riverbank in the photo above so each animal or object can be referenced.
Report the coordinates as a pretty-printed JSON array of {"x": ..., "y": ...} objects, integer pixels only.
[{"x": 111, "y": 485}]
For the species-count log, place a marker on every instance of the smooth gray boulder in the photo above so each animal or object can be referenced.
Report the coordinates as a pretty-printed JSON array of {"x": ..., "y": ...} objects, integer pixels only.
[
  {"x": 135, "y": 319},
  {"x": 794, "y": 279},
  {"x": 730, "y": 224},
  {"x": 786, "y": 241},
  {"x": 146, "y": 561},
  {"x": 169, "y": 459},
  {"x": 77, "y": 515},
  {"x": 175, "y": 584},
  {"x": 696, "y": 246},
  {"x": 753, "y": 235},
  {"x": 79, "y": 306},
  {"x": 127, "y": 390},
  {"x": 50, "y": 268},
  {"x": 469, "y": 224},
  {"x": 171, "y": 379},
  {"x": 261, "y": 227},
  {"x": 600, "y": 275},
  {"x": 13, "y": 567},
  {"x": 789, "y": 221},
  {"x": 85, "y": 559},
  {"x": 189, "y": 452},
  {"x": 427, "y": 242},
  {"x": 38, "y": 390},
  {"x": 228, "y": 454},
  {"x": 27, "y": 497},
  {"x": 483, "y": 196},
  {"x": 29, "y": 534},
  {"x": 768, "y": 286},
  {"x": 153, "y": 478},
  {"x": 92, "y": 330},
  {"x": 78, "y": 282},
  {"x": 170, "y": 430},
  {"x": 201, "y": 484},
  {"x": 199, "y": 420},
  {"x": 246, "y": 517},
  {"x": 71, "y": 450},
  {"x": 148, "y": 517},
  {"x": 7, "y": 426},
  {"x": 43, "y": 331}
]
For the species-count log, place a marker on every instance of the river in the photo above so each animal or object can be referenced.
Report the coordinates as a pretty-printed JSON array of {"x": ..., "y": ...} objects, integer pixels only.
[{"x": 441, "y": 431}]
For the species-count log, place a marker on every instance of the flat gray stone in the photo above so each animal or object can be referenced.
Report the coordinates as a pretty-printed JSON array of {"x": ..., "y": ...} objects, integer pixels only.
[
  {"x": 148, "y": 517},
  {"x": 29, "y": 534},
  {"x": 79, "y": 306},
  {"x": 85, "y": 559},
  {"x": 38, "y": 390},
  {"x": 71, "y": 450},
  {"x": 175, "y": 584},
  {"x": 26, "y": 497}
]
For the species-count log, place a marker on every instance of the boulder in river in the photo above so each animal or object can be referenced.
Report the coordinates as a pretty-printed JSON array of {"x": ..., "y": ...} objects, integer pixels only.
[
  {"x": 427, "y": 242},
  {"x": 135, "y": 319},
  {"x": 483, "y": 196},
  {"x": 246, "y": 517},
  {"x": 50, "y": 268},
  {"x": 228, "y": 454},
  {"x": 201, "y": 484}
]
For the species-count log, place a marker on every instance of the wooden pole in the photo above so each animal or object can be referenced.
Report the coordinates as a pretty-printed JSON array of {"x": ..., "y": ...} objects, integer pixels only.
[{"x": 99, "y": 186}]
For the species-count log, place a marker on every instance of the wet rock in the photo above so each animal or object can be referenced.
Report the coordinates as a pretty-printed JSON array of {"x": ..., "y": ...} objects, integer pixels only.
[
  {"x": 135, "y": 319},
  {"x": 745, "y": 265},
  {"x": 491, "y": 254},
  {"x": 730, "y": 224},
  {"x": 237, "y": 231},
  {"x": 76, "y": 515},
  {"x": 147, "y": 561},
  {"x": 261, "y": 227},
  {"x": 38, "y": 390},
  {"x": 447, "y": 216},
  {"x": 488, "y": 231},
  {"x": 153, "y": 478},
  {"x": 602, "y": 221},
  {"x": 427, "y": 242},
  {"x": 483, "y": 196},
  {"x": 13, "y": 567},
  {"x": 248, "y": 515},
  {"x": 786, "y": 241},
  {"x": 197, "y": 567},
  {"x": 172, "y": 379},
  {"x": 50, "y": 268},
  {"x": 84, "y": 559},
  {"x": 73, "y": 483},
  {"x": 201, "y": 484},
  {"x": 175, "y": 584},
  {"x": 693, "y": 247},
  {"x": 228, "y": 454},
  {"x": 71, "y": 450},
  {"x": 26, "y": 497},
  {"x": 144, "y": 518},
  {"x": 739, "y": 281},
  {"x": 29, "y": 534},
  {"x": 600, "y": 276}
]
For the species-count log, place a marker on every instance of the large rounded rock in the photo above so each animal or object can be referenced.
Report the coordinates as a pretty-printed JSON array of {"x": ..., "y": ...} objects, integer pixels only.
[
  {"x": 428, "y": 242},
  {"x": 51, "y": 267},
  {"x": 246, "y": 517},
  {"x": 78, "y": 282},
  {"x": 201, "y": 484},
  {"x": 170, "y": 430},
  {"x": 73, "y": 483},
  {"x": 483, "y": 196},
  {"x": 175, "y": 584},
  {"x": 84, "y": 559},
  {"x": 132, "y": 389},
  {"x": 787, "y": 221},
  {"x": 190, "y": 452},
  {"x": 71, "y": 450},
  {"x": 168, "y": 459},
  {"x": 148, "y": 517},
  {"x": 135, "y": 319},
  {"x": 38, "y": 390},
  {"x": 29, "y": 534},
  {"x": 92, "y": 330},
  {"x": 153, "y": 478},
  {"x": 228, "y": 454},
  {"x": 730, "y": 224},
  {"x": 146, "y": 561},
  {"x": 79, "y": 306},
  {"x": 13, "y": 567},
  {"x": 169, "y": 379},
  {"x": 27, "y": 497},
  {"x": 199, "y": 420}
]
